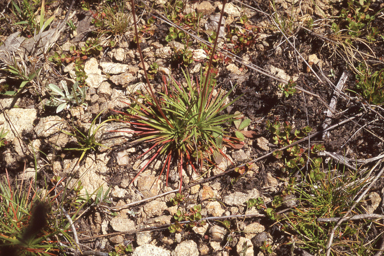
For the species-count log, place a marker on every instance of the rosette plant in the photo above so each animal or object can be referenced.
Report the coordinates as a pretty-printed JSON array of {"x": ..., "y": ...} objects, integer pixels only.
[{"x": 185, "y": 124}]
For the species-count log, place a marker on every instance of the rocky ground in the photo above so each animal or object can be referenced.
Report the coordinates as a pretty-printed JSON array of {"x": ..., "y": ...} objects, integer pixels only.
[{"x": 293, "y": 63}]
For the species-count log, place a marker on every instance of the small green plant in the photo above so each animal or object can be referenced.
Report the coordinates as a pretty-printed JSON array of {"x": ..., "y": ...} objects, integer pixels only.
[
  {"x": 295, "y": 156},
  {"x": 3, "y": 142},
  {"x": 153, "y": 69},
  {"x": 288, "y": 89},
  {"x": 194, "y": 216},
  {"x": 241, "y": 38},
  {"x": 370, "y": 85},
  {"x": 75, "y": 97},
  {"x": 112, "y": 19},
  {"x": 71, "y": 25},
  {"x": 22, "y": 73},
  {"x": 177, "y": 199},
  {"x": 86, "y": 141},
  {"x": 182, "y": 56},
  {"x": 266, "y": 248},
  {"x": 26, "y": 13},
  {"x": 357, "y": 20},
  {"x": 121, "y": 250},
  {"x": 241, "y": 124}
]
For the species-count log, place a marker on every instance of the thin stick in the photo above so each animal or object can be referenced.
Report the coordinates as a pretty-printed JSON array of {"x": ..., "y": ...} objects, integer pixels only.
[
  {"x": 355, "y": 217},
  {"x": 332, "y": 104},
  {"x": 167, "y": 225}
]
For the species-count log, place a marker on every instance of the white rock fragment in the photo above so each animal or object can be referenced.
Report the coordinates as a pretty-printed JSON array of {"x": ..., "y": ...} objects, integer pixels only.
[
  {"x": 186, "y": 248},
  {"x": 199, "y": 55},
  {"x": 121, "y": 224},
  {"x": 20, "y": 119},
  {"x": 252, "y": 229},
  {"x": 245, "y": 247},
  {"x": 214, "y": 209},
  {"x": 239, "y": 198},
  {"x": 50, "y": 125},
  {"x": 113, "y": 68}
]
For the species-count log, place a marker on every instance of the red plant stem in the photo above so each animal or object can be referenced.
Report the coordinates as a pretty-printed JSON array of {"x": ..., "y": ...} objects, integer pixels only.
[
  {"x": 211, "y": 58},
  {"x": 142, "y": 62},
  {"x": 145, "y": 166},
  {"x": 181, "y": 171},
  {"x": 168, "y": 165}
]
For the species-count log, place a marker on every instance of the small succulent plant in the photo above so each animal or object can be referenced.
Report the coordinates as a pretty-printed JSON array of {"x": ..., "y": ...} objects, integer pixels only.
[{"x": 66, "y": 99}]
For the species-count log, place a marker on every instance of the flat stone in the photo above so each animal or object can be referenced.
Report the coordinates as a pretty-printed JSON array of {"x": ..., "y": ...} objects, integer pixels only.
[
  {"x": 239, "y": 198},
  {"x": 374, "y": 202},
  {"x": 233, "y": 69},
  {"x": 123, "y": 79},
  {"x": 186, "y": 248},
  {"x": 113, "y": 68},
  {"x": 121, "y": 224},
  {"x": 206, "y": 193},
  {"x": 116, "y": 239},
  {"x": 105, "y": 88},
  {"x": 195, "y": 189},
  {"x": 199, "y": 55},
  {"x": 217, "y": 233},
  {"x": 154, "y": 208},
  {"x": 143, "y": 237},
  {"x": 263, "y": 143},
  {"x": 146, "y": 185},
  {"x": 201, "y": 230},
  {"x": 150, "y": 250},
  {"x": 260, "y": 238},
  {"x": 50, "y": 125},
  {"x": 214, "y": 209},
  {"x": 245, "y": 247},
  {"x": 118, "y": 192},
  {"x": 89, "y": 171},
  {"x": 164, "y": 52},
  {"x": 135, "y": 87},
  {"x": 206, "y": 8},
  {"x": 113, "y": 134},
  {"x": 252, "y": 229},
  {"x": 21, "y": 121},
  {"x": 162, "y": 220},
  {"x": 239, "y": 155},
  {"x": 119, "y": 54},
  {"x": 271, "y": 181}
]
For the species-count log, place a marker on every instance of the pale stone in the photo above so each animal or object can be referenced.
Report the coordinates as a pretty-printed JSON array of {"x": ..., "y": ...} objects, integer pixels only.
[
  {"x": 105, "y": 88},
  {"x": 200, "y": 55},
  {"x": 154, "y": 208},
  {"x": 263, "y": 143},
  {"x": 113, "y": 68},
  {"x": 123, "y": 79},
  {"x": 214, "y": 209},
  {"x": 245, "y": 247},
  {"x": 201, "y": 230},
  {"x": 206, "y": 8},
  {"x": 50, "y": 125},
  {"x": 239, "y": 198},
  {"x": 217, "y": 233},
  {"x": 119, "y": 54},
  {"x": 233, "y": 69},
  {"x": 120, "y": 224},
  {"x": 20, "y": 119},
  {"x": 252, "y": 229},
  {"x": 118, "y": 192},
  {"x": 164, "y": 52},
  {"x": 186, "y": 248}
]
